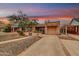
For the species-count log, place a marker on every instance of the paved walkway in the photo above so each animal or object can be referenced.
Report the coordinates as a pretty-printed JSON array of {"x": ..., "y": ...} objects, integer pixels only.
[
  {"x": 48, "y": 46},
  {"x": 72, "y": 46},
  {"x": 74, "y": 36}
]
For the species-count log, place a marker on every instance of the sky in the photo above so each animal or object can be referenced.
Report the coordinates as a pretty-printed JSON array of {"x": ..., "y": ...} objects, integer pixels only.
[{"x": 40, "y": 9}]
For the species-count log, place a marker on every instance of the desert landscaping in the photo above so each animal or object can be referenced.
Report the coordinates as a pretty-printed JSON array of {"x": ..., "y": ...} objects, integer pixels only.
[
  {"x": 39, "y": 45},
  {"x": 14, "y": 46},
  {"x": 39, "y": 29}
]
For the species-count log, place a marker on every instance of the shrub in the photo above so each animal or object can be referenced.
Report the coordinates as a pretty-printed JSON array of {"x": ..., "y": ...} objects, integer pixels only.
[
  {"x": 6, "y": 29},
  {"x": 20, "y": 33}
]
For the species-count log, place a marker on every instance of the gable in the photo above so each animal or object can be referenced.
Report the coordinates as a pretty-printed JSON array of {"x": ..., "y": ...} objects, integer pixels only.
[{"x": 74, "y": 22}]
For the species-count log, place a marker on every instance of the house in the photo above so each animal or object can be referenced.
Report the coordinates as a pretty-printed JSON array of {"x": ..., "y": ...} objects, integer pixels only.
[
  {"x": 73, "y": 27},
  {"x": 49, "y": 28},
  {"x": 15, "y": 27}
]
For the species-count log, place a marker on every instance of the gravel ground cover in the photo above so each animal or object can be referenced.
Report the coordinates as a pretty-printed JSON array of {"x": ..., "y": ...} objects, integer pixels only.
[{"x": 11, "y": 48}]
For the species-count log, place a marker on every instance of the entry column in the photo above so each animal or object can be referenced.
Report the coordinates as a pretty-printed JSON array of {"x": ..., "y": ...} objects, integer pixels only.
[
  {"x": 33, "y": 28},
  {"x": 45, "y": 29}
]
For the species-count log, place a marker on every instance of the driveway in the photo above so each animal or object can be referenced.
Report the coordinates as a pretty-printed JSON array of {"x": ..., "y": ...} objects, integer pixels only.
[
  {"x": 71, "y": 43},
  {"x": 47, "y": 46},
  {"x": 72, "y": 47}
]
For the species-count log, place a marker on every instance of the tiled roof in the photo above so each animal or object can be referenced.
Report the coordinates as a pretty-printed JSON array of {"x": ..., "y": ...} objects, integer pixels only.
[
  {"x": 74, "y": 21},
  {"x": 77, "y": 19}
]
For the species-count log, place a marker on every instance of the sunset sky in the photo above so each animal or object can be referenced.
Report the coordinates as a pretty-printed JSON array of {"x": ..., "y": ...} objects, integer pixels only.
[{"x": 44, "y": 9}]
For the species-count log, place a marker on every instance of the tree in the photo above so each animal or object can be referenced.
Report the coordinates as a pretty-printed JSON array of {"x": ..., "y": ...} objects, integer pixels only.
[
  {"x": 7, "y": 28},
  {"x": 19, "y": 19},
  {"x": 22, "y": 20}
]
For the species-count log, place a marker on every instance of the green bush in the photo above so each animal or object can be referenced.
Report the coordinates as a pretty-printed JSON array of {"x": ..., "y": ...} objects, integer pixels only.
[
  {"x": 20, "y": 33},
  {"x": 6, "y": 29}
]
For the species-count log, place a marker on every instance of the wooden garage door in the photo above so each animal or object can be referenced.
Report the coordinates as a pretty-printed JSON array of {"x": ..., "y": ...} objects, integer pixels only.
[{"x": 52, "y": 30}]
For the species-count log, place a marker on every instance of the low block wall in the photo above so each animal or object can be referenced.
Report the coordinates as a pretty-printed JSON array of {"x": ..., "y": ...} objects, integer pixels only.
[{"x": 11, "y": 48}]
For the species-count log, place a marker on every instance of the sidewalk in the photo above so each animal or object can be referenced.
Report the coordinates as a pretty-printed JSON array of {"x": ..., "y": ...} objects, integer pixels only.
[
  {"x": 74, "y": 36},
  {"x": 72, "y": 46},
  {"x": 48, "y": 46}
]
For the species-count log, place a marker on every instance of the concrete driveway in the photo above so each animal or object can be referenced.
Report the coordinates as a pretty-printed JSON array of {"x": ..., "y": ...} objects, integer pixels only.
[
  {"x": 72, "y": 46},
  {"x": 49, "y": 45}
]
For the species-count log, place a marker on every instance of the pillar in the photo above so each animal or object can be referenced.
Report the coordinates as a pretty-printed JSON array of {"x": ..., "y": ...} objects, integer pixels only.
[
  {"x": 13, "y": 30},
  {"x": 66, "y": 30},
  {"x": 20, "y": 29},
  {"x": 33, "y": 28},
  {"x": 45, "y": 29},
  {"x": 58, "y": 29},
  {"x": 76, "y": 29}
]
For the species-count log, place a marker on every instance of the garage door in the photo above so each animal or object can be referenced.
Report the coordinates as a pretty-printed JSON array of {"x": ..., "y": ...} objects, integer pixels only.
[{"x": 52, "y": 30}]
